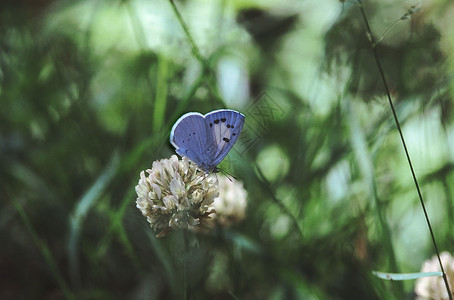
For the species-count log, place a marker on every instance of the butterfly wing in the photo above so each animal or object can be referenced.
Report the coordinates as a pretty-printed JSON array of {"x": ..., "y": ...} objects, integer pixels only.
[
  {"x": 224, "y": 126},
  {"x": 189, "y": 137}
]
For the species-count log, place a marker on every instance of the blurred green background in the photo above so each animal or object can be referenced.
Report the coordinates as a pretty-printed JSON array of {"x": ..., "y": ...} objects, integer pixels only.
[{"x": 89, "y": 91}]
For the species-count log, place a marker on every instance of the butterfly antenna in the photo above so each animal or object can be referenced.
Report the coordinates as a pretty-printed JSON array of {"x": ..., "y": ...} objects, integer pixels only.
[{"x": 228, "y": 175}]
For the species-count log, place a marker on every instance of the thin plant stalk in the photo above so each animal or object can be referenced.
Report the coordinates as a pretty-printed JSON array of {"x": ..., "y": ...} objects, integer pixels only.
[{"x": 396, "y": 120}]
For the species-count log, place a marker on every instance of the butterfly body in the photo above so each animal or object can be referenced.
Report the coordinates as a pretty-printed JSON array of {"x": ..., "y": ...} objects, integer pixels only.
[{"x": 206, "y": 139}]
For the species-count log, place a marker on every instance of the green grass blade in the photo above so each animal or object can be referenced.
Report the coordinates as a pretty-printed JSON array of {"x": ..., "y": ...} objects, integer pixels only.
[
  {"x": 45, "y": 251},
  {"x": 82, "y": 208},
  {"x": 405, "y": 276}
]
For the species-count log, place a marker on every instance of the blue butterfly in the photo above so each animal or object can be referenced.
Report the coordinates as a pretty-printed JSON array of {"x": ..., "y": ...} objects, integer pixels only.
[{"x": 206, "y": 139}]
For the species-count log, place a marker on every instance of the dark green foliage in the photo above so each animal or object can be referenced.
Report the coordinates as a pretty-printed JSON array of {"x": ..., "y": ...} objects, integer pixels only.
[{"x": 89, "y": 91}]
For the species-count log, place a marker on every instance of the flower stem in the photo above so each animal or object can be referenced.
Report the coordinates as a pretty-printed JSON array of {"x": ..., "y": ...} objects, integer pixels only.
[{"x": 185, "y": 260}]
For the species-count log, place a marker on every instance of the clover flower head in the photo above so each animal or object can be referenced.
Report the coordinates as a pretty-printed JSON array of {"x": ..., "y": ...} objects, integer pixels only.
[
  {"x": 175, "y": 195},
  {"x": 230, "y": 205},
  {"x": 434, "y": 288}
]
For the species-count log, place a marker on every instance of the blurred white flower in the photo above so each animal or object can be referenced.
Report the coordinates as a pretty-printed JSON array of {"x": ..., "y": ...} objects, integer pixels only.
[
  {"x": 175, "y": 195},
  {"x": 230, "y": 206},
  {"x": 434, "y": 288}
]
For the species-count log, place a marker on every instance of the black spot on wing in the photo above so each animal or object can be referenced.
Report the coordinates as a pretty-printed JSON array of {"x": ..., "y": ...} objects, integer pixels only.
[{"x": 226, "y": 134}]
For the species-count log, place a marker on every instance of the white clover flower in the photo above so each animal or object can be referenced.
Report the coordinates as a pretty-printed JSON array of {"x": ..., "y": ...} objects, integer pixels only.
[
  {"x": 230, "y": 205},
  {"x": 175, "y": 195},
  {"x": 434, "y": 288}
]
